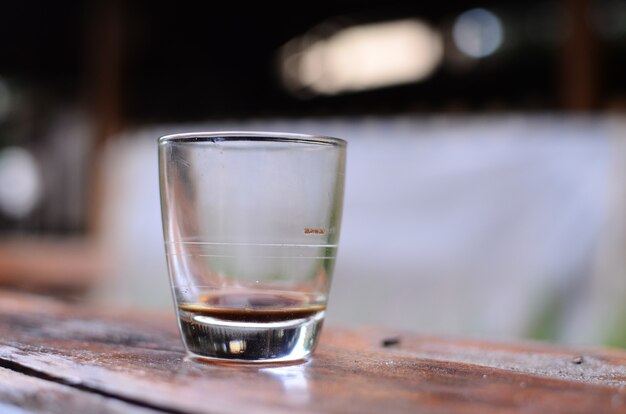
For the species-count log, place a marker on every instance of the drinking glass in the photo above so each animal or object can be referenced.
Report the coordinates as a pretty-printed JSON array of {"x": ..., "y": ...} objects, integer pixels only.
[{"x": 251, "y": 225}]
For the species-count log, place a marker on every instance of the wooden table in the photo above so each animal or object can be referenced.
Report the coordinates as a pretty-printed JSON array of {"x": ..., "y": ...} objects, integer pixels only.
[{"x": 62, "y": 358}]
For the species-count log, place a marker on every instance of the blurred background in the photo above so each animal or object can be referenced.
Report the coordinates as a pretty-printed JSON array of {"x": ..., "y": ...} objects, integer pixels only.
[{"x": 486, "y": 182}]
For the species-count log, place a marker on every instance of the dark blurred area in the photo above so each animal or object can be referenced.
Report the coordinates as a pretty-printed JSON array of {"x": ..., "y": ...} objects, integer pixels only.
[
  {"x": 77, "y": 75},
  {"x": 102, "y": 66},
  {"x": 191, "y": 60}
]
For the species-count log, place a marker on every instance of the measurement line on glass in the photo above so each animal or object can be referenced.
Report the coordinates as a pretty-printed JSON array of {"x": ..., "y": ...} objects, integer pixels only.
[
  {"x": 253, "y": 244},
  {"x": 251, "y": 257}
]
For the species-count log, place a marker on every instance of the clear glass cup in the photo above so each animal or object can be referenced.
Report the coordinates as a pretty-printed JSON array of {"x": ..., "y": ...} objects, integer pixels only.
[{"x": 251, "y": 225}]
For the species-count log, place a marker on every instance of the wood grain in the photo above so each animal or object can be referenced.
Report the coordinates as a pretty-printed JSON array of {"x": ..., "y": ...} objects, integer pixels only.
[
  {"x": 138, "y": 360},
  {"x": 22, "y": 393}
]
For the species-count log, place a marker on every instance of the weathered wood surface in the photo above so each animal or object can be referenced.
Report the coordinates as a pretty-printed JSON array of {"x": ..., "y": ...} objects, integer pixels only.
[
  {"x": 24, "y": 393},
  {"x": 57, "y": 357}
]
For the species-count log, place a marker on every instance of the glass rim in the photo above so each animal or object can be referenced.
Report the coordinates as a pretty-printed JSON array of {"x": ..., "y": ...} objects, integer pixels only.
[{"x": 252, "y": 136}]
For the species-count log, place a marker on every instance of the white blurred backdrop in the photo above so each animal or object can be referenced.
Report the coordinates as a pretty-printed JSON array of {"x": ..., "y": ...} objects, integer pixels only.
[{"x": 501, "y": 227}]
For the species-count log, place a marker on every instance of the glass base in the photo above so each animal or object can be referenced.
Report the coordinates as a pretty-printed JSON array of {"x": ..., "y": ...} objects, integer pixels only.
[{"x": 211, "y": 338}]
